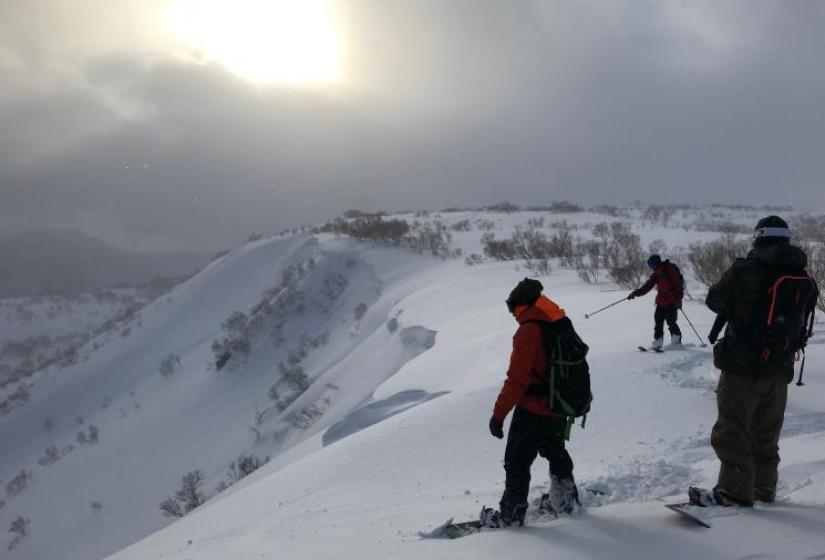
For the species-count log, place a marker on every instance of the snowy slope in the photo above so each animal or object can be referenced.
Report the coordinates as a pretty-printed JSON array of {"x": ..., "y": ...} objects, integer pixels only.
[
  {"x": 647, "y": 438},
  {"x": 391, "y": 436}
]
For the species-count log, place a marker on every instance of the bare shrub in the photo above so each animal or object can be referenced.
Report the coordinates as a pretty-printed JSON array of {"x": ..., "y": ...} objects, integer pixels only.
[
  {"x": 710, "y": 260},
  {"x": 624, "y": 258},
  {"x": 170, "y": 507},
  {"x": 462, "y": 225},
  {"x": 499, "y": 250},
  {"x": 50, "y": 456},
  {"x": 559, "y": 207},
  {"x": 538, "y": 267},
  {"x": 505, "y": 207},
  {"x": 96, "y": 506},
  {"x": 392, "y": 325},
  {"x": 245, "y": 465},
  {"x": 19, "y": 483},
  {"x": 816, "y": 269},
  {"x": 188, "y": 497},
  {"x": 656, "y": 214},
  {"x": 294, "y": 376},
  {"x": 169, "y": 364},
  {"x": 657, "y": 247},
  {"x": 473, "y": 259},
  {"x": 434, "y": 238},
  {"x": 370, "y": 228},
  {"x": 89, "y": 438},
  {"x": 19, "y": 528},
  {"x": 588, "y": 261},
  {"x": 360, "y": 311}
]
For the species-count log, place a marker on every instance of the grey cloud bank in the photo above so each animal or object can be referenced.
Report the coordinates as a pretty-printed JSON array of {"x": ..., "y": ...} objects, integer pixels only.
[{"x": 120, "y": 135}]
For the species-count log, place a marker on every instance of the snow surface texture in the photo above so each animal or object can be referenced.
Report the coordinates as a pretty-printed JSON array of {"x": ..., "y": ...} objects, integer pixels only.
[{"x": 365, "y": 457}]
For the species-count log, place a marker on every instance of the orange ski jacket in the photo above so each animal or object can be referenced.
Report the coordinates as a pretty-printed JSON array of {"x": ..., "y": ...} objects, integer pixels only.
[{"x": 528, "y": 361}]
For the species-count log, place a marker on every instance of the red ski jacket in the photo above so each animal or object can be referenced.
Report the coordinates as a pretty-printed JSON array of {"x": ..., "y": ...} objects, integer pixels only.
[
  {"x": 668, "y": 284},
  {"x": 528, "y": 362}
]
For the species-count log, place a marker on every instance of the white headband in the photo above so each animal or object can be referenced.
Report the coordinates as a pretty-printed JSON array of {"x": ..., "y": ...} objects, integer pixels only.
[{"x": 772, "y": 232}]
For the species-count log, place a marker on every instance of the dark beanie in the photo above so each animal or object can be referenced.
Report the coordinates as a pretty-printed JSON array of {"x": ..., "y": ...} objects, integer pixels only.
[
  {"x": 771, "y": 229},
  {"x": 525, "y": 293}
]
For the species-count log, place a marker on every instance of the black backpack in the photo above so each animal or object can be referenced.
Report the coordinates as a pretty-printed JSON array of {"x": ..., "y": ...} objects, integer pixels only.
[
  {"x": 568, "y": 374},
  {"x": 787, "y": 316}
]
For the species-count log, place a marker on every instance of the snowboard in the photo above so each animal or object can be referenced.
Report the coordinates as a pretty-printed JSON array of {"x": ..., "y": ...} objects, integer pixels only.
[
  {"x": 450, "y": 530},
  {"x": 656, "y": 350},
  {"x": 697, "y": 514}
]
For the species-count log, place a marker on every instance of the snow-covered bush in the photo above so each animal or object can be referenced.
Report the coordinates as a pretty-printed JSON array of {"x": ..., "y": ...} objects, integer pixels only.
[
  {"x": 20, "y": 481},
  {"x": 710, "y": 260},
  {"x": 473, "y": 259},
  {"x": 188, "y": 497},
  {"x": 434, "y": 238},
  {"x": 588, "y": 261},
  {"x": 624, "y": 257},
  {"x": 19, "y": 528},
  {"x": 18, "y": 398},
  {"x": 392, "y": 325},
  {"x": 360, "y": 311},
  {"x": 89, "y": 438},
  {"x": 245, "y": 465},
  {"x": 369, "y": 228},
  {"x": 169, "y": 364},
  {"x": 462, "y": 225},
  {"x": 50, "y": 456},
  {"x": 170, "y": 507},
  {"x": 506, "y": 207},
  {"x": 538, "y": 267},
  {"x": 294, "y": 376}
]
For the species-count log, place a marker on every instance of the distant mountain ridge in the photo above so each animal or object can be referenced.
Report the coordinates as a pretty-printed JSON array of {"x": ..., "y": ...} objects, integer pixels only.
[{"x": 62, "y": 261}]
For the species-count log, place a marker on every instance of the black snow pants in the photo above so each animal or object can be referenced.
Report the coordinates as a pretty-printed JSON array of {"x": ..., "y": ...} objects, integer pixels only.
[
  {"x": 664, "y": 313},
  {"x": 531, "y": 434}
]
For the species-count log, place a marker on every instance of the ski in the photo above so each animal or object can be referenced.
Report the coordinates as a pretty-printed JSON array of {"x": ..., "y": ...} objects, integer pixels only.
[{"x": 656, "y": 350}]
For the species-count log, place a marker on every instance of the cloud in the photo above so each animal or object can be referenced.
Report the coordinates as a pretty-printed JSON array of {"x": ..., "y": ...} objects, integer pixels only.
[{"x": 108, "y": 126}]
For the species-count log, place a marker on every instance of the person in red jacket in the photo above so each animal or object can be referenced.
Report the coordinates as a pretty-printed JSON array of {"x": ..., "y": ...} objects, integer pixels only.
[
  {"x": 668, "y": 281},
  {"x": 535, "y": 428}
]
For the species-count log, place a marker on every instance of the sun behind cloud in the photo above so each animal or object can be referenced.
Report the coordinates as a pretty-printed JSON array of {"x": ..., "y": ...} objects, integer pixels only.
[{"x": 293, "y": 42}]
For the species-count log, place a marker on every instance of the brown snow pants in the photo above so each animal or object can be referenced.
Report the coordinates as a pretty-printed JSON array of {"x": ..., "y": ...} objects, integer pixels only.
[{"x": 746, "y": 434}]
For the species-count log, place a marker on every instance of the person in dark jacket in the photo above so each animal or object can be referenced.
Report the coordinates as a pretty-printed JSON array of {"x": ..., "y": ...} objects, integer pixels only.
[
  {"x": 752, "y": 391},
  {"x": 670, "y": 290},
  {"x": 535, "y": 427}
]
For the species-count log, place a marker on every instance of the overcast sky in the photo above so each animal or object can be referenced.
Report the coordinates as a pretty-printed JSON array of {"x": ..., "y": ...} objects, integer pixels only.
[{"x": 110, "y": 123}]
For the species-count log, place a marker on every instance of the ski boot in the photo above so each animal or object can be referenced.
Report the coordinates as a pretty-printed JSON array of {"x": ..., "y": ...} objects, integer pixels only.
[
  {"x": 564, "y": 496},
  {"x": 709, "y": 498}
]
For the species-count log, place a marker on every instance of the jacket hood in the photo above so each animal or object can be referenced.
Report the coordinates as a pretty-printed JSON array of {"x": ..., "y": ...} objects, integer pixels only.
[
  {"x": 783, "y": 255},
  {"x": 544, "y": 309}
]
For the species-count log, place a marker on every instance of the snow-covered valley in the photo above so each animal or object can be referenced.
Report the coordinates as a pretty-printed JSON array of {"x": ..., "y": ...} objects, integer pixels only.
[{"x": 366, "y": 374}]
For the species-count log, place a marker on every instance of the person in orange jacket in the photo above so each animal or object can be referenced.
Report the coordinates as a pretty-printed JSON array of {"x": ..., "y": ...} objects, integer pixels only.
[{"x": 535, "y": 428}]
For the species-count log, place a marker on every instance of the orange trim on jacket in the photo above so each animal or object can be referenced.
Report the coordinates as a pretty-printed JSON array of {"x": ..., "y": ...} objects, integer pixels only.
[{"x": 528, "y": 362}]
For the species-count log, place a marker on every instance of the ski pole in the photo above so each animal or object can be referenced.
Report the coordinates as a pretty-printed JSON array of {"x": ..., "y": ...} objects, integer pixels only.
[
  {"x": 588, "y": 315},
  {"x": 801, "y": 370},
  {"x": 701, "y": 342}
]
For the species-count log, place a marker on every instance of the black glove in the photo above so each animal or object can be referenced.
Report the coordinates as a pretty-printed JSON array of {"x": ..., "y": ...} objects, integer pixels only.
[
  {"x": 712, "y": 337},
  {"x": 496, "y": 427},
  {"x": 632, "y": 295}
]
